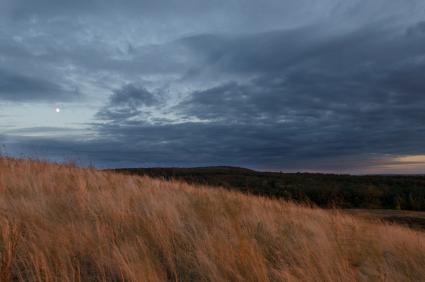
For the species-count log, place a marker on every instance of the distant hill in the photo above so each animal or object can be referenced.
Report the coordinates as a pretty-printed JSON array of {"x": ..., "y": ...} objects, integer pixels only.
[{"x": 404, "y": 192}]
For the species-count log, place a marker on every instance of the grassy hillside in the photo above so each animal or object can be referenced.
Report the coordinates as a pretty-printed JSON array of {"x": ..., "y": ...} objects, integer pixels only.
[
  {"x": 62, "y": 223},
  {"x": 325, "y": 190},
  {"x": 412, "y": 219}
]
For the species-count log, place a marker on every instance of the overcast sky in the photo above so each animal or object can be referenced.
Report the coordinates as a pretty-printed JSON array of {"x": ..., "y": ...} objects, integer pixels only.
[{"x": 292, "y": 85}]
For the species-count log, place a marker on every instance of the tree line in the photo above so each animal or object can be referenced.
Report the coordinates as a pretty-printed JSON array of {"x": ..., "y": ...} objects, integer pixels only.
[{"x": 324, "y": 190}]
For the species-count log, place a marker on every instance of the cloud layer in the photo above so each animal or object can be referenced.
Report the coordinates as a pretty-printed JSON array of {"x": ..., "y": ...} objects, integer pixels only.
[{"x": 334, "y": 87}]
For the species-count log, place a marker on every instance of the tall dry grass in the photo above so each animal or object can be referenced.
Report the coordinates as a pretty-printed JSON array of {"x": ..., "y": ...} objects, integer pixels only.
[{"x": 62, "y": 223}]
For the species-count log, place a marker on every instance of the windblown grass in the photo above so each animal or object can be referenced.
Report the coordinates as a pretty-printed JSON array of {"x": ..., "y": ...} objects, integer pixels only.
[{"x": 63, "y": 223}]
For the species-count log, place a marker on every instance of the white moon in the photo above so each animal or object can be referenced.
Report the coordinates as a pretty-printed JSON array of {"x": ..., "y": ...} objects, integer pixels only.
[{"x": 58, "y": 110}]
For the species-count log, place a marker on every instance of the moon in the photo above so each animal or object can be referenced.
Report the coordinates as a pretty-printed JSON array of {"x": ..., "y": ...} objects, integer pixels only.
[{"x": 58, "y": 110}]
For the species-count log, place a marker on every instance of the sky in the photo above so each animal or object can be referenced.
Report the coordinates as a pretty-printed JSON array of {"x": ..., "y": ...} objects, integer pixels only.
[{"x": 287, "y": 85}]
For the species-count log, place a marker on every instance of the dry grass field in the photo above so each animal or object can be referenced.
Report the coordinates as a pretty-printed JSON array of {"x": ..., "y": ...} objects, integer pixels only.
[
  {"x": 63, "y": 223},
  {"x": 412, "y": 219}
]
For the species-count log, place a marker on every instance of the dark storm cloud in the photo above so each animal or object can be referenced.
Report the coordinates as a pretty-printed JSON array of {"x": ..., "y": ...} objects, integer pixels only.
[
  {"x": 126, "y": 103},
  {"x": 313, "y": 47},
  {"x": 306, "y": 141},
  {"x": 17, "y": 87},
  {"x": 132, "y": 96},
  {"x": 417, "y": 29},
  {"x": 192, "y": 144},
  {"x": 270, "y": 84},
  {"x": 356, "y": 94}
]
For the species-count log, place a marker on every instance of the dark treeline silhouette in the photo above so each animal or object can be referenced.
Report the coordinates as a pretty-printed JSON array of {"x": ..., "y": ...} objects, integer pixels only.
[{"x": 325, "y": 190}]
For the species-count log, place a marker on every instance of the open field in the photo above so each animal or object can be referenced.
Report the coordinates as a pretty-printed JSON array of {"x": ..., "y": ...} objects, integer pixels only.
[
  {"x": 413, "y": 219},
  {"x": 63, "y": 223}
]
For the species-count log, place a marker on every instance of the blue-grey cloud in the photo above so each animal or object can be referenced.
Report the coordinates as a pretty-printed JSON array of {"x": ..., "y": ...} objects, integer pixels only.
[
  {"x": 126, "y": 103},
  {"x": 276, "y": 84},
  {"x": 326, "y": 102},
  {"x": 417, "y": 29},
  {"x": 17, "y": 87}
]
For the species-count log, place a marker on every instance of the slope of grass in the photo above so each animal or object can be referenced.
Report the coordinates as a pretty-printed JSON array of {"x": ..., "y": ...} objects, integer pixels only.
[
  {"x": 401, "y": 192},
  {"x": 412, "y": 219},
  {"x": 62, "y": 223}
]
